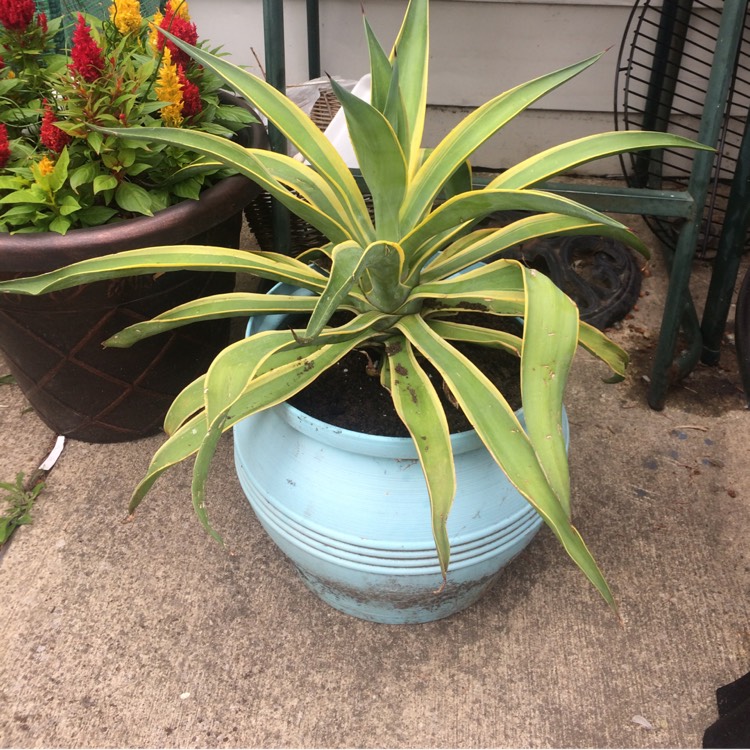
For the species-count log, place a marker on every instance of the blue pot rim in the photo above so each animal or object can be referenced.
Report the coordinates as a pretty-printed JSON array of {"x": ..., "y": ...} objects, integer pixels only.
[{"x": 383, "y": 446}]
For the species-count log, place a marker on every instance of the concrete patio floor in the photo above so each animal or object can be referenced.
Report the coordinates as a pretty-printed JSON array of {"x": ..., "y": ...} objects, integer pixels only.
[{"x": 148, "y": 634}]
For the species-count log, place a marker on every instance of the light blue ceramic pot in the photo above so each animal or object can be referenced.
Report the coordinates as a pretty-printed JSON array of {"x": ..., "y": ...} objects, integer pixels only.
[{"x": 351, "y": 511}]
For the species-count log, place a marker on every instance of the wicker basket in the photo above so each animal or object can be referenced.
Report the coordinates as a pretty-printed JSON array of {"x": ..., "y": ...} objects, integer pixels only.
[
  {"x": 325, "y": 108},
  {"x": 259, "y": 213}
]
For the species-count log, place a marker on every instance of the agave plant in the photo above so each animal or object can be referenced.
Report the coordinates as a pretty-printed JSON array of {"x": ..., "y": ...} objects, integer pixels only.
[{"x": 402, "y": 276}]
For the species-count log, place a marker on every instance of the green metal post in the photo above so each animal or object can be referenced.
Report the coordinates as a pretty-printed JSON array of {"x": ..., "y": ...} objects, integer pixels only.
[
  {"x": 273, "y": 28},
  {"x": 665, "y": 369},
  {"x": 313, "y": 39},
  {"x": 727, "y": 262},
  {"x": 662, "y": 83}
]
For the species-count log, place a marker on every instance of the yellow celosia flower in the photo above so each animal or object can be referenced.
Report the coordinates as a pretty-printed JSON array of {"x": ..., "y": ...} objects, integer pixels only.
[
  {"x": 46, "y": 165},
  {"x": 153, "y": 36},
  {"x": 169, "y": 89},
  {"x": 179, "y": 8},
  {"x": 126, "y": 15}
]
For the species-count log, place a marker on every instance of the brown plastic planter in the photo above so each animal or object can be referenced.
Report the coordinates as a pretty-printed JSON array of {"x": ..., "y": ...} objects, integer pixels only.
[{"x": 53, "y": 343}]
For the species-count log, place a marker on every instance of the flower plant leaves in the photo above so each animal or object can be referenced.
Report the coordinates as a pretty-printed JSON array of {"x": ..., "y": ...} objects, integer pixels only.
[{"x": 109, "y": 77}]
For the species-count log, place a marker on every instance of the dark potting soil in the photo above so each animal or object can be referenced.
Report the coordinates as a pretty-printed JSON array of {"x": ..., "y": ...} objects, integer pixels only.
[{"x": 347, "y": 396}]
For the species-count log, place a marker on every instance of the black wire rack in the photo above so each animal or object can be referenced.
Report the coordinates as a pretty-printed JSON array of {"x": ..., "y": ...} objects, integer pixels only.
[{"x": 663, "y": 72}]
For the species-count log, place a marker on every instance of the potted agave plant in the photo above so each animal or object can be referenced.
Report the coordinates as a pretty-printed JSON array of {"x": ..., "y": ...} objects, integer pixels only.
[
  {"x": 371, "y": 524},
  {"x": 68, "y": 193}
]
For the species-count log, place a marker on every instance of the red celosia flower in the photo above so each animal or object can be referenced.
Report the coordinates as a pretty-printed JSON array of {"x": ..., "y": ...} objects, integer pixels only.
[
  {"x": 4, "y": 146},
  {"x": 2, "y": 63},
  {"x": 16, "y": 14},
  {"x": 182, "y": 29},
  {"x": 191, "y": 95},
  {"x": 88, "y": 59},
  {"x": 41, "y": 21},
  {"x": 50, "y": 135}
]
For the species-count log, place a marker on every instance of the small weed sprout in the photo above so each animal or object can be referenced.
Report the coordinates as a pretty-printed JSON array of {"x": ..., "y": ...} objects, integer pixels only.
[{"x": 16, "y": 502}]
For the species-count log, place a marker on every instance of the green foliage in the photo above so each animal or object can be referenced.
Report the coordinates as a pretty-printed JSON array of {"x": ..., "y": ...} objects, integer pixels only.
[
  {"x": 62, "y": 175},
  {"x": 402, "y": 278},
  {"x": 16, "y": 503}
]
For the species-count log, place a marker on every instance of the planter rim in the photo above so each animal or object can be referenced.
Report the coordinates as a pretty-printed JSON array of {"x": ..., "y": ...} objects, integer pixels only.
[
  {"x": 45, "y": 251},
  {"x": 382, "y": 446}
]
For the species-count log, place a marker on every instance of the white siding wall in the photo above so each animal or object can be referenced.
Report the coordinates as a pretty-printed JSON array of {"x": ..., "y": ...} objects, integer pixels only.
[{"x": 478, "y": 48}]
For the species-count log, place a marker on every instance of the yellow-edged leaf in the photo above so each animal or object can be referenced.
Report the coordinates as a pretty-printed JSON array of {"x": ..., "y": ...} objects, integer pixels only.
[
  {"x": 504, "y": 437},
  {"x": 420, "y": 410},
  {"x": 550, "y": 339},
  {"x": 568, "y": 156}
]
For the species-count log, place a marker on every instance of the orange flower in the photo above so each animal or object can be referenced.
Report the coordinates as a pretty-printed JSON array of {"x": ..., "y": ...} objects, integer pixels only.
[
  {"x": 126, "y": 15},
  {"x": 153, "y": 36},
  {"x": 178, "y": 8},
  {"x": 169, "y": 89},
  {"x": 46, "y": 165}
]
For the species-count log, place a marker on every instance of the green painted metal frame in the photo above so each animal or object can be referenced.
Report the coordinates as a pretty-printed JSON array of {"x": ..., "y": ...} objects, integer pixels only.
[
  {"x": 728, "y": 255},
  {"x": 273, "y": 33},
  {"x": 679, "y": 309}
]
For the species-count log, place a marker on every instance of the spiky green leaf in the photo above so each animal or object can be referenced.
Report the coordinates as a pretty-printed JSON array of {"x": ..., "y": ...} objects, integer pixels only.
[
  {"x": 380, "y": 69},
  {"x": 601, "y": 346},
  {"x": 475, "y": 334},
  {"x": 230, "y": 305},
  {"x": 235, "y": 366},
  {"x": 411, "y": 50},
  {"x": 157, "y": 260},
  {"x": 335, "y": 218},
  {"x": 504, "y": 437},
  {"x": 482, "y": 245},
  {"x": 184, "y": 443},
  {"x": 186, "y": 404},
  {"x": 472, "y": 132},
  {"x": 471, "y": 207},
  {"x": 550, "y": 339},
  {"x": 568, "y": 156},
  {"x": 383, "y": 285},
  {"x": 380, "y": 159},
  {"x": 348, "y": 263},
  {"x": 420, "y": 409},
  {"x": 293, "y": 123}
]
